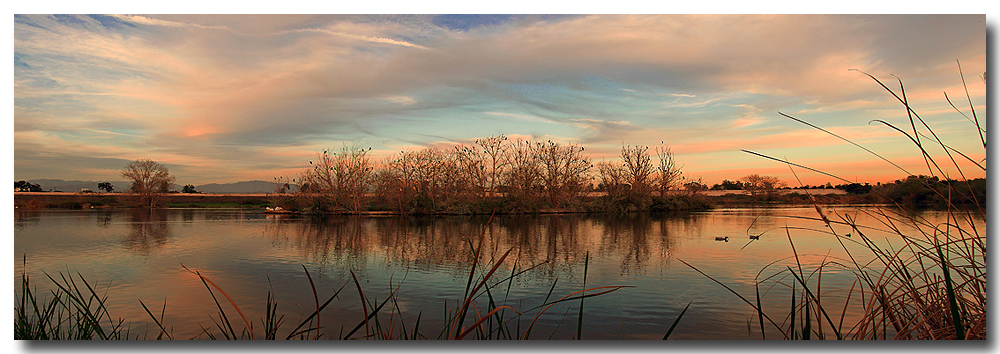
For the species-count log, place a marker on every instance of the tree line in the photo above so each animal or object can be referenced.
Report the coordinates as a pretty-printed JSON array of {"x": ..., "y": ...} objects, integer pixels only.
[
  {"x": 491, "y": 173},
  {"x": 495, "y": 173}
]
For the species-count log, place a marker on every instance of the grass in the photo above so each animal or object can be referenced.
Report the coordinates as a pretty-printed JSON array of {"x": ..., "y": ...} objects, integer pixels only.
[
  {"x": 926, "y": 281},
  {"x": 73, "y": 311},
  {"x": 930, "y": 286}
]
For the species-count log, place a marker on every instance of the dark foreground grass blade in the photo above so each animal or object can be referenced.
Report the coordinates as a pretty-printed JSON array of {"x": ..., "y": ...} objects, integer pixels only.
[
  {"x": 471, "y": 294},
  {"x": 579, "y": 321},
  {"x": 737, "y": 295},
  {"x": 90, "y": 320},
  {"x": 364, "y": 307},
  {"x": 795, "y": 164},
  {"x": 847, "y": 140},
  {"x": 676, "y": 321},
  {"x": 156, "y": 321},
  {"x": 460, "y": 315},
  {"x": 483, "y": 319},
  {"x": 298, "y": 330},
  {"x": 368, "y": 317},
  {"x": 812, "y": 297},
  {"x": 807, "y": 326},
  {"x": 315, "y": 295},
  {"x": 791, "y": 326},
  {"x": 760, "y": 315},
  {"x": 952, "y": 301},
  {"x": 569, "y": 297},
  {"x": 207, "y": 281}
]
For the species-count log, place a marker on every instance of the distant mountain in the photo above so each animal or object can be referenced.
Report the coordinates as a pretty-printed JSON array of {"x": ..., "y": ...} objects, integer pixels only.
[{"x": 244, "y": 187}]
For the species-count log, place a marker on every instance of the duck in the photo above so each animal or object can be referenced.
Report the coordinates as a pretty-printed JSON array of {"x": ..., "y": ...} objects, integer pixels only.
[{"x": 722, "y": 238}]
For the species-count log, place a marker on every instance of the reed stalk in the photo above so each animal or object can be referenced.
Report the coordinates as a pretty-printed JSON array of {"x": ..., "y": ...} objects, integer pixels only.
[{"x": 930, "y": 285}]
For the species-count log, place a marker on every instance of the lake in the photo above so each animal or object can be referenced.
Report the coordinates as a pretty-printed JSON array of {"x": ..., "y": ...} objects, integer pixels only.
[{"x": 134, "y": 255}]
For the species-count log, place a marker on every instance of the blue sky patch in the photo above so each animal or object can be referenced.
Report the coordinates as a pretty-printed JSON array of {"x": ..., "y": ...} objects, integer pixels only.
[{"x": 464, "y": 22}]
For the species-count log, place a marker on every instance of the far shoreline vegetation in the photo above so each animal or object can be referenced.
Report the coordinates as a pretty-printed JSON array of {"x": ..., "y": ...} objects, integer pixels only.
[
  {"x": 497, "y": 176},
  {"x": 912, "y": 199}
]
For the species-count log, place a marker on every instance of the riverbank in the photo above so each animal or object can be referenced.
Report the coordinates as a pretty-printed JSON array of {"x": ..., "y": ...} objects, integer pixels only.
[
  {"x": 61, "y": 200},
  {"x": 588, "y": 204}
]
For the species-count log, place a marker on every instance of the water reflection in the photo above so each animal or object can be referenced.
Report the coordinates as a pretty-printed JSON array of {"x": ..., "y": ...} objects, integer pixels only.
[
  {"x": 24, "y": 218},
  {"x": 148, "y": 231},
  {"x": 141, "y": 250},
  {"x": 104, "y": 218},
  {"x": 551, "y": 241},
  {"x": 187, "y": 215}
]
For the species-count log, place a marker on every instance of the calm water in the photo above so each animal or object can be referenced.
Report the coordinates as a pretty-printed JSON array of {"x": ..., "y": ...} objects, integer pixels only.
[{"x": 141, "y": 254}]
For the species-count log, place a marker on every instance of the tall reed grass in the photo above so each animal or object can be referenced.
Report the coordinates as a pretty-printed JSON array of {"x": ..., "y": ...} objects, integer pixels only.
[
  {"x": 74, "y": 310},
  {"x": 926, "y": 280}
]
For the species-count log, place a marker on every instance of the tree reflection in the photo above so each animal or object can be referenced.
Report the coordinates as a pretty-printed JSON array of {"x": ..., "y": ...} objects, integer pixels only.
[
  {"x": 627, "y": 235},
  {"x": 148, "y": 230},
  {"x": 187, "y": 215},
  {"x": 24, "y": 217},
  {"x": 556, "y": 243},
  {"x": 104, "y": 218}
]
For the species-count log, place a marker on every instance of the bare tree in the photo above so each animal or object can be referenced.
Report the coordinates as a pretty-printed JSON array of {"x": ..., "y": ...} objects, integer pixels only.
[
  {"x": 320, "y": 173},
  {"x": 761, "y": 185},
  {"x": 638, "y": 169},
  {"x": 668, "y": 174},
  {"x": 470, "y": 176},
  {"x": 563, "y": 170},
  {"x": 390, "y": 188},
  {"x": 282, "y": 185},
  {"x": 344, "y": 176},
  {"x": 522, "y": 178},
  {"x": 428, "y": 173},
  {"x": 149, "y": 179},
  {"x": 495, "y": 148},
  {"x": 612, "y": 181},
  {"x": 358, "y": 172},
  {"x": 418, "y": 174}
]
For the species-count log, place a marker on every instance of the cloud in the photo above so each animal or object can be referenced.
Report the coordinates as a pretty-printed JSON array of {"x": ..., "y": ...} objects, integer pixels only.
[
  {"x": 602, "y": 131},
  {"x": 209, "y": 90},
  {"x": 149, "y": 21},
  {"x": 521, "y": 117},
  {"x": 403, "y": 100},
  {"x": 372, "y": 39}
]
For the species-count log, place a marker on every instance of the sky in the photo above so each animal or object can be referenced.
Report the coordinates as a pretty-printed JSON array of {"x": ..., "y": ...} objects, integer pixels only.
[{"x": 227, "y": 98}]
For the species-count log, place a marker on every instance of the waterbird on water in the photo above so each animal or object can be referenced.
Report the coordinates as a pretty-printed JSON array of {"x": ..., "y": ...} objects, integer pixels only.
[{"x": 722, "y": 238}]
